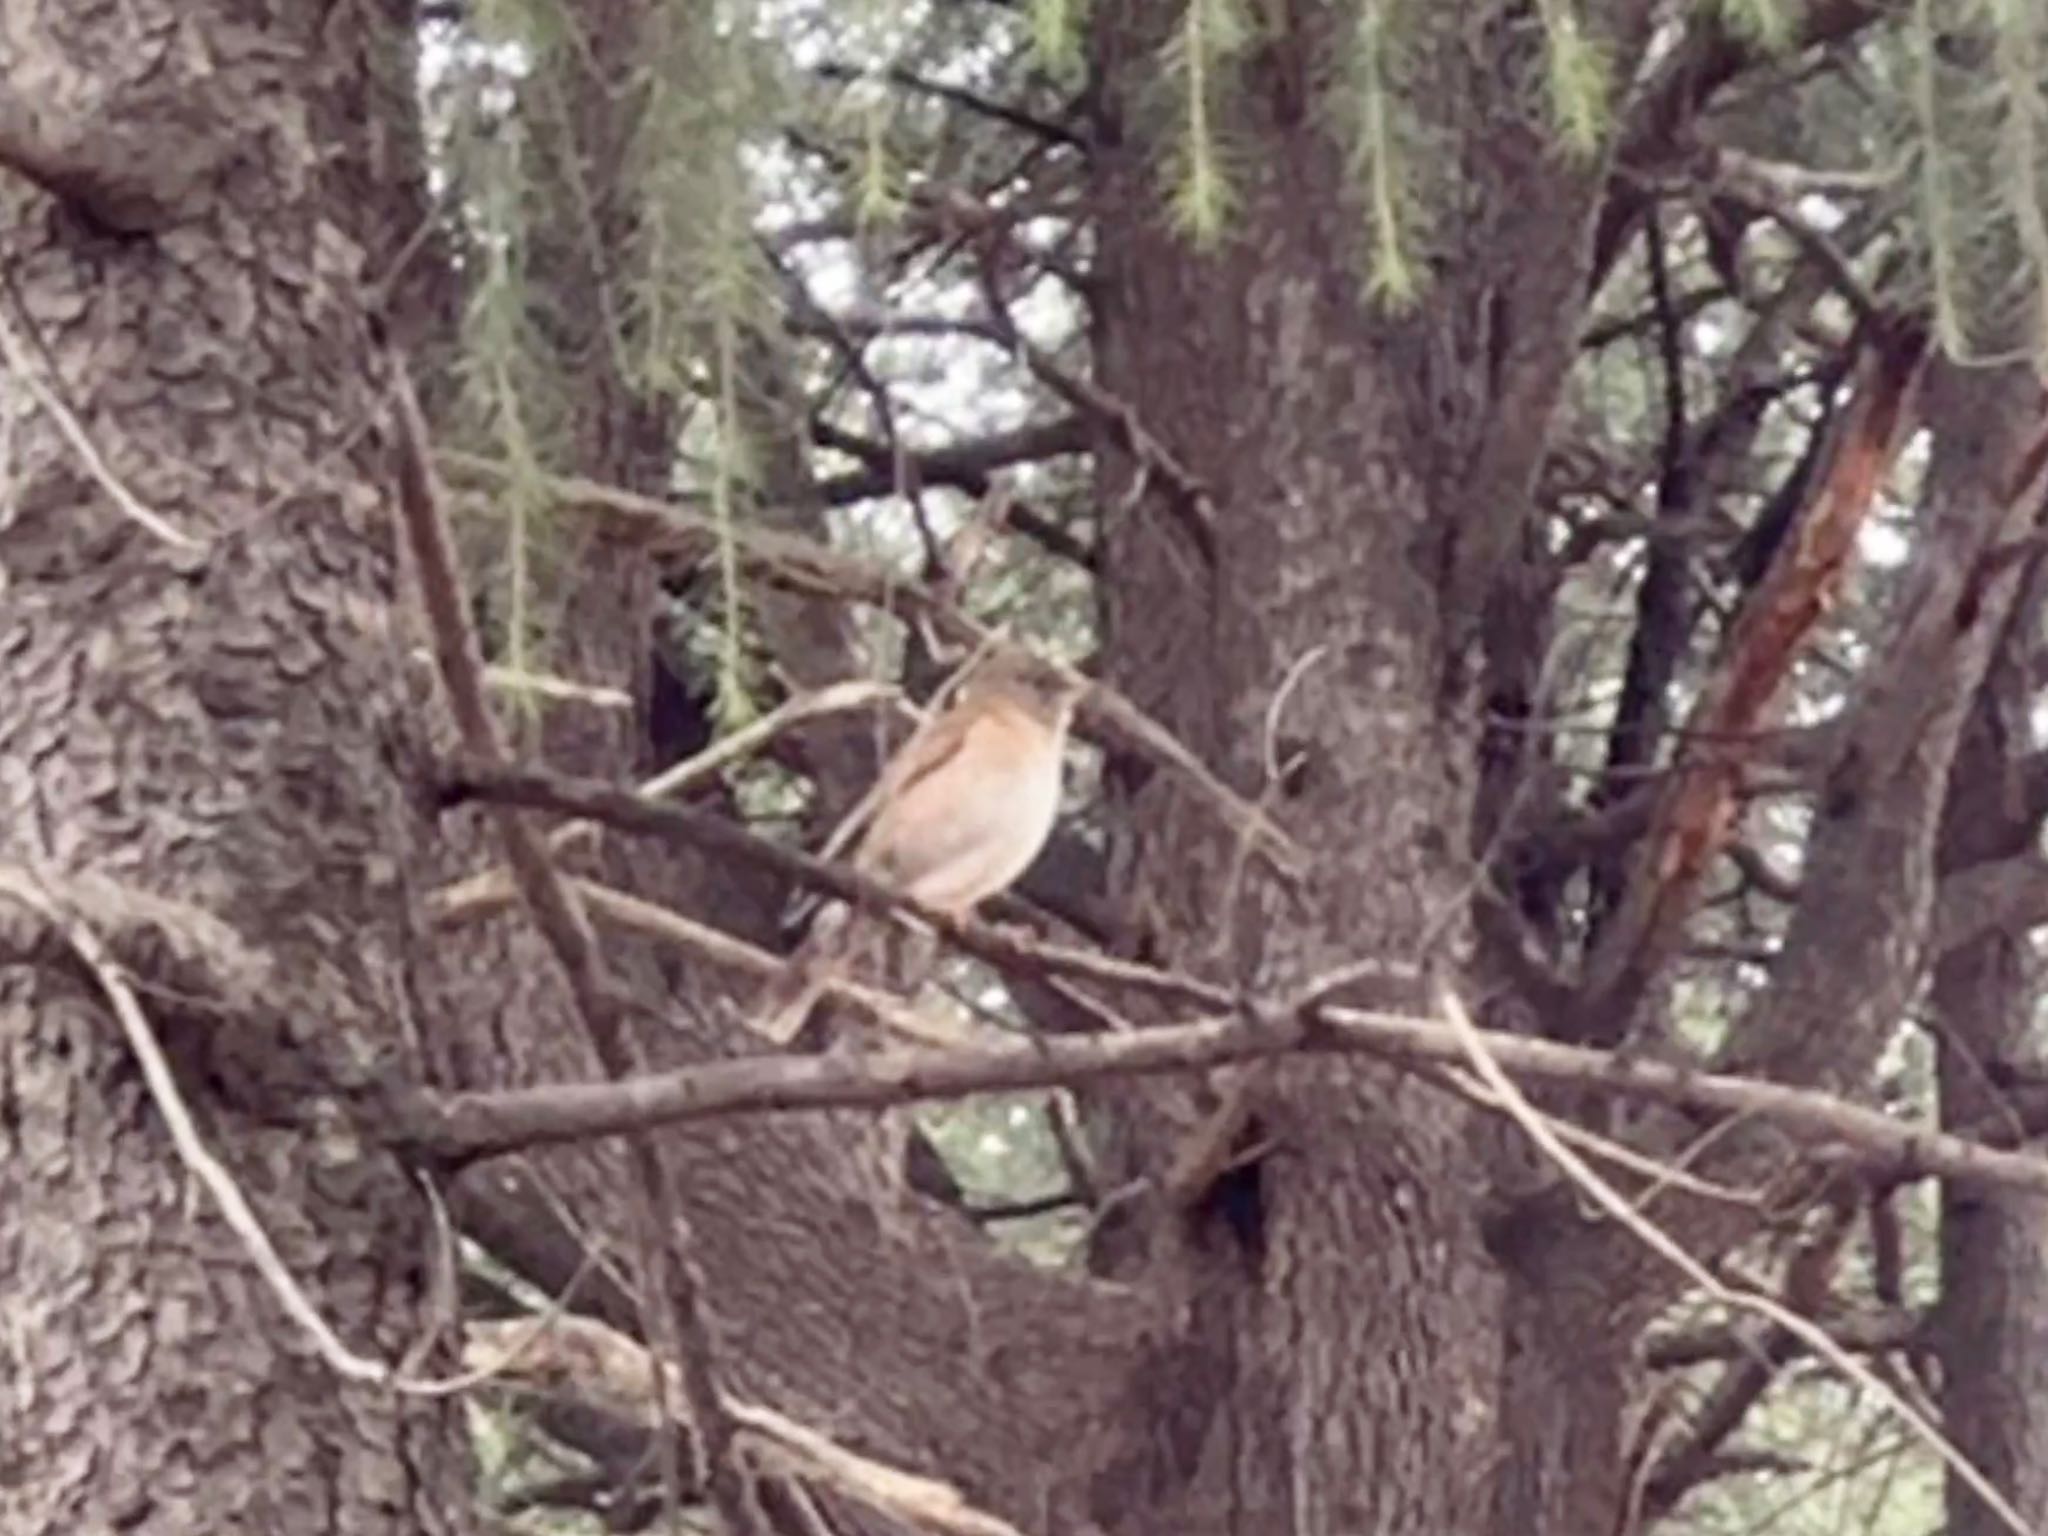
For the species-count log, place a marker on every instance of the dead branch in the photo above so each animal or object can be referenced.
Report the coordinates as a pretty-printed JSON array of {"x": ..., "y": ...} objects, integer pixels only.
[
  {"x": 489, "y": 889},
  {"x": 1741, "y": 1385},
  {"x": 1695, "y": 812},
  {"x": 37, "y": 896},
  {"x": 473, "y": 1125},
  {"x": 602, "y": 1362},
  {"x": 1919, "y": 1425},
  {"x": 45, "y": 391},
  {"x": 1872, "y": 1334},
  {"x": 652, "y": 921}
]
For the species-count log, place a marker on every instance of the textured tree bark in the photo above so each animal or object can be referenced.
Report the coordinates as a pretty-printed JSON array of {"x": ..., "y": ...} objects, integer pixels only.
[
  {"x": 223, "y": 726},
  {"x": 1990, "y": 1326},
  {"x": 1346, "y": 1362}
]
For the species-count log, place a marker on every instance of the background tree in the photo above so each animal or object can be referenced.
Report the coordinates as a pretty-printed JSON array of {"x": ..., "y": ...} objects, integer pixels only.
[{"x": 1574, "y": 468}]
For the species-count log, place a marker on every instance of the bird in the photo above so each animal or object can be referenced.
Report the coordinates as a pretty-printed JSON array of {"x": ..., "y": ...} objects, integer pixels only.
[{"x": 961, "y": 811}]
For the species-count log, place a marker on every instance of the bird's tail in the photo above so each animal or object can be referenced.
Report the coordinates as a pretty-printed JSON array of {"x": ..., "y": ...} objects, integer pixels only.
[{"x": 786, "y": 1002}]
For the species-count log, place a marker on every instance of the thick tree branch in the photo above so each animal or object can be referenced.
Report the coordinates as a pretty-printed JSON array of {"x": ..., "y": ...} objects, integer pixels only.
[
  {"x": 474, "y": 1125},
  {"x": 130, "y": 171}
]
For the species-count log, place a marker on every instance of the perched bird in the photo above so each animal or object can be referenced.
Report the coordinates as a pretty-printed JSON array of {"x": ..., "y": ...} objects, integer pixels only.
[{"x": 961, "y": 811}]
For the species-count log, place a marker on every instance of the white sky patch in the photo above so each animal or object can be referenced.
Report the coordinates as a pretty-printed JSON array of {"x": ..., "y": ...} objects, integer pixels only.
[{"x": 1880, "y": 544}]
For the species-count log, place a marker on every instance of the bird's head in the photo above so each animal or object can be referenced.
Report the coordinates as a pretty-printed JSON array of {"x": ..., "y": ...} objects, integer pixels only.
[{"x": 1016, "y": 675}]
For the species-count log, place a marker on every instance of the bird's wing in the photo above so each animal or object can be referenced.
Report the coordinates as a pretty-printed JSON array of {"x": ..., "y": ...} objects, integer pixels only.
[{"x": 906, "y": 773}]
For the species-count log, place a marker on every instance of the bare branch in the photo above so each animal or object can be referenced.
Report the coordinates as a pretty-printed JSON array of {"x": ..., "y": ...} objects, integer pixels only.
[
  {"x": 658, "y": 923},
  {"x": 1186, "y": 493},
  {"x": 1695, "y": 813},
  {"x": 473, "y": 1125},
  {"x": 1661, "y": 1243},
  {"x": 967, "y": 466},
  {"x": 43, "y": 390},
  {"x": 639, "y": 813},
  {"x": 599, "y": 1360},
  {"x": 1661, "y": 121},
  {"x": 1870, "y": 1334},
  {"x": 490, "y": 889},
  {"x": 1738, "y": 177},
  {"x": 30, "y": 893},
  {"x": 959, "y": 96}
]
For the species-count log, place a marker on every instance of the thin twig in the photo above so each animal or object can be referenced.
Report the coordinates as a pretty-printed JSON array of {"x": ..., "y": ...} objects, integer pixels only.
[
  {"x": 25, "y": 368},
  {"x": 652, "y": 921},
  {"x": 479, "y": 894},
  {"x": 31, "y": 892}
]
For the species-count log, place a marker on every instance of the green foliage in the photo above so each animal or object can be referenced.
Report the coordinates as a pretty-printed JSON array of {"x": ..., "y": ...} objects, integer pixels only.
[
  {"x": 1385, "y": 154},
  {"x": 506, "y": 400},
  {"x": 1977, "y": 136},
  {"x": 1056, "y": 34},
  {"x": 1771, "y": 24},
  {"x": 1196, "y": 62},
  {"x": 1579, "y": 76}
]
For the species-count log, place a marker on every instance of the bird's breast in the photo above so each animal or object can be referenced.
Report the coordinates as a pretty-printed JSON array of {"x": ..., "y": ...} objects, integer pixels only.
[{"x": 975, "y": 824}]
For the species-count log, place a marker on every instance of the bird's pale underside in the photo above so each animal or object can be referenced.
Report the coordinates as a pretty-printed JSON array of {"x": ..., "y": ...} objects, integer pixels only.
[{"x": 964, "y": 808}]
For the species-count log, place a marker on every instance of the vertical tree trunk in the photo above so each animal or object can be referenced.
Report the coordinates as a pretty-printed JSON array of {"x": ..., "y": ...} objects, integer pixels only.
[
  {"x": 1990, "y": 1326},
  {"x": 1368, "y": 475},
  {"x": 219, "y": 723}
]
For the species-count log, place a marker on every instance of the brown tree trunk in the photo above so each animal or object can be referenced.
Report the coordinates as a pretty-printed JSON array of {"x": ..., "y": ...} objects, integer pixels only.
[
  {"x": 1345, "y": 1369},
  {"x": 220, "y": 724},
  {"x": 1990, "y": 1326}
]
